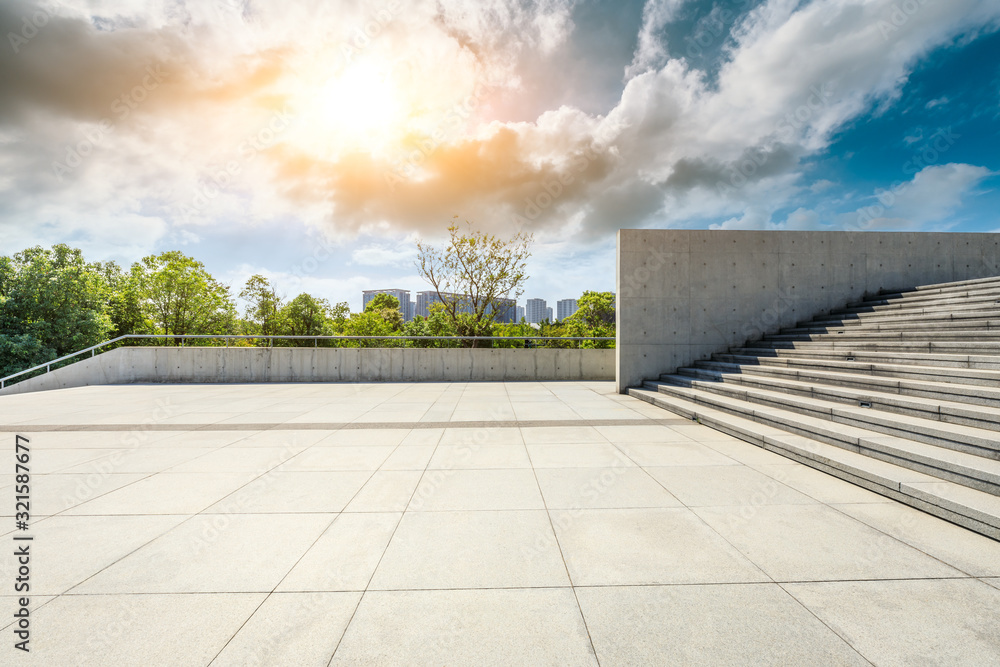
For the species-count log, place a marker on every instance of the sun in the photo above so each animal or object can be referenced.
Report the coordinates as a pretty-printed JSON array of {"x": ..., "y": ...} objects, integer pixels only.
[
  {"x": 363, "y": 99},
  {"x": 359, "y": 109}
]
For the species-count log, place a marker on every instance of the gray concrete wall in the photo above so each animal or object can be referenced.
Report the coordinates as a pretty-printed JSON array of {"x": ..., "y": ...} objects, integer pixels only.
[
  {"x": 288, "y": 364},
  {"x": 684, "y": 294}
]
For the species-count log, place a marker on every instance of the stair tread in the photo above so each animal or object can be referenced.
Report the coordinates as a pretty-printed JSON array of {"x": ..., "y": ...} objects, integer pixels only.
[
  {"x": 927, "y": 356},
  {"x": 931, "y": 404},
  {"x": 964, "y": 501},
  {"x": 860, "y": 367},
  {"x": 969, "y": 434}
]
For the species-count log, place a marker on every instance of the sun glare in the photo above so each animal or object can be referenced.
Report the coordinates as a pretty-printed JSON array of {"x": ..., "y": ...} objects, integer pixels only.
[{"x": 359, "y": 109}]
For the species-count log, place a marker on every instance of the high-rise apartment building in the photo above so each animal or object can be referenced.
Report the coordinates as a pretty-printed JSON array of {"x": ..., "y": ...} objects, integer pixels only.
[
  {"x": 535, "y": 310},
  {"x": 427, "y": 298},
  {"x": 548, "y": 313},
  {"x": 565, "y": 308},
  {"x": 507, "y": 312},
  {"x": 520, "y": 313}
]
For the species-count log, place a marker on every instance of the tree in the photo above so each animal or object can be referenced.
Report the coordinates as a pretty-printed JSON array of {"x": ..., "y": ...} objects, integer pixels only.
[
  {"x": 435, "y": 324},
  {"x": 181, "y": 297},
  {"x": 263, "y": 310},
  {"x": 386, "y": 306},
  {"x": 52, "y": 303},
  {"x": 596, "y": 309},
  {"x": 595, "y": 316},
  {"x": 305, "y": 315},
  {"x": 368, "y": 323},
  {"x": 473, "y": 273},
  {"x": 125, "y": 301}
]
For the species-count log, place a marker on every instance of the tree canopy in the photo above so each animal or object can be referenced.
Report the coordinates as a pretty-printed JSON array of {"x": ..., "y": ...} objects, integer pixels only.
[
  {"x": 473, "y": 274},
  {"x": 181, "y": 297},
  {"x": 52, "y": 303}
]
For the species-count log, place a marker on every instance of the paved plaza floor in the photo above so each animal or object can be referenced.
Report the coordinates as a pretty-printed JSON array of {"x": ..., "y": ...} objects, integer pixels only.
[{"x": 460, "y": 524}]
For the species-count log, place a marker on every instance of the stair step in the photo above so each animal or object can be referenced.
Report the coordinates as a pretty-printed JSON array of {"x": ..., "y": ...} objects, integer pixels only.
[
  {"x": 969, "y": 304},
  {"x": 967, "y": 376},
  {"x": 943, "y": 316},
  {"x": 985, "y": 362},
  {"x": 957, "y": 296},
  {"x": 955, "y": 392},
  {"x": 981, "y": 324},
  {"x": 942, "y": 347},
  {"x": 949, "y": 286},
  {"x": 925, "y": 408},
  {"x": 959, "y": 335},
  {"x": 856, "y": 420},
  {"x": 970, "y": 508}
]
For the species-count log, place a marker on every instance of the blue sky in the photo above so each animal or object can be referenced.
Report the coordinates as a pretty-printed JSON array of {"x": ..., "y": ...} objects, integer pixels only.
[{"x": 352, "y": 130}]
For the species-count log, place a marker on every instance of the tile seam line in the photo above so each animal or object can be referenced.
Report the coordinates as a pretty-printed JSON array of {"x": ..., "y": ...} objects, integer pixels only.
[
  {"x": 268, "y": 595},
  {"x": 386, "y": 549},
  {"x": 336, "y": 426},
  {"x": 562, "y": 556}
]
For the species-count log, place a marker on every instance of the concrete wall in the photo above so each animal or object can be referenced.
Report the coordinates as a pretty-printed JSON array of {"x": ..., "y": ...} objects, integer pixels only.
[
  {"x": 684, "y": 294},
  {"x": 287, "y": 364}
]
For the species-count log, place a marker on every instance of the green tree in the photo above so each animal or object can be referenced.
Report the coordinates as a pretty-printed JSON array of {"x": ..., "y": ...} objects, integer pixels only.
[
  {"x": 596, "y": 309},
  {"x": 595, "y": 316},
  {"x": 264, "y": 306},
  {"x": 125, "y": 301},
  {"x": 473, "y": 273},
  {"x": 52, "y": 303},
  {"x": 386, "y": 306},
  {"x": 180, "y": 297},
  {"x": 368, "y": 323},
  {"x": 306, "y": 315},
  {"x": 437, "y": 323}
]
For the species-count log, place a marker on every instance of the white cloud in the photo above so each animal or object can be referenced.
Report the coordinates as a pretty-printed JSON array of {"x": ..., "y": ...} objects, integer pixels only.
[
  {"x": 373, "y": 255},
  {"x": 933, "y": 194},
  {"x": 651, "y": 50},
  {"x": 678, "y": 147}
]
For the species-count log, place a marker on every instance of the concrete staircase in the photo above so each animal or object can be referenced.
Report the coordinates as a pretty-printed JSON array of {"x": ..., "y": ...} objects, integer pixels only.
[{"x": 899, "y": 394}]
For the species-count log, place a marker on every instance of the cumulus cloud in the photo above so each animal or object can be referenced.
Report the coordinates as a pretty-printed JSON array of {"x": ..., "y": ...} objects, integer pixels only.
[
  {"x": 232, "y": 133},
  {"x": 651, "y": 50},
  {"x": 932, "y": 195}
]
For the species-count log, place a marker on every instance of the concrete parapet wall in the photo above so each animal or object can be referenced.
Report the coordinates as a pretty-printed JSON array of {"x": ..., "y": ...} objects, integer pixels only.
[
  {"x": 126, "y": 365},
  {"x": 685, "y": 294}
]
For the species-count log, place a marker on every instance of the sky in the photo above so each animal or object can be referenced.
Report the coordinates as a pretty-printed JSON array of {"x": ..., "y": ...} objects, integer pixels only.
[{"x": 316, "y": 142}]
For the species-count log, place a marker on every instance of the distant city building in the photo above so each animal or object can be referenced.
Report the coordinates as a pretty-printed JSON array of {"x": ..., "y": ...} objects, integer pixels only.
[
  {"x": 520, "y": 313},
  {"x": 565, "y": 308},
  {"x": 405, "y": 308},
  {"x": 535, "y": 310},
  {"x": 548, "y": 313},
  {"x": 506, "y": 311},
  {"x": 430, "y": 297}
]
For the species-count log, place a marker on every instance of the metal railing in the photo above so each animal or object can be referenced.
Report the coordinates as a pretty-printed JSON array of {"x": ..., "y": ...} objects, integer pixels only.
[{"x": 228, "y": 337}]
